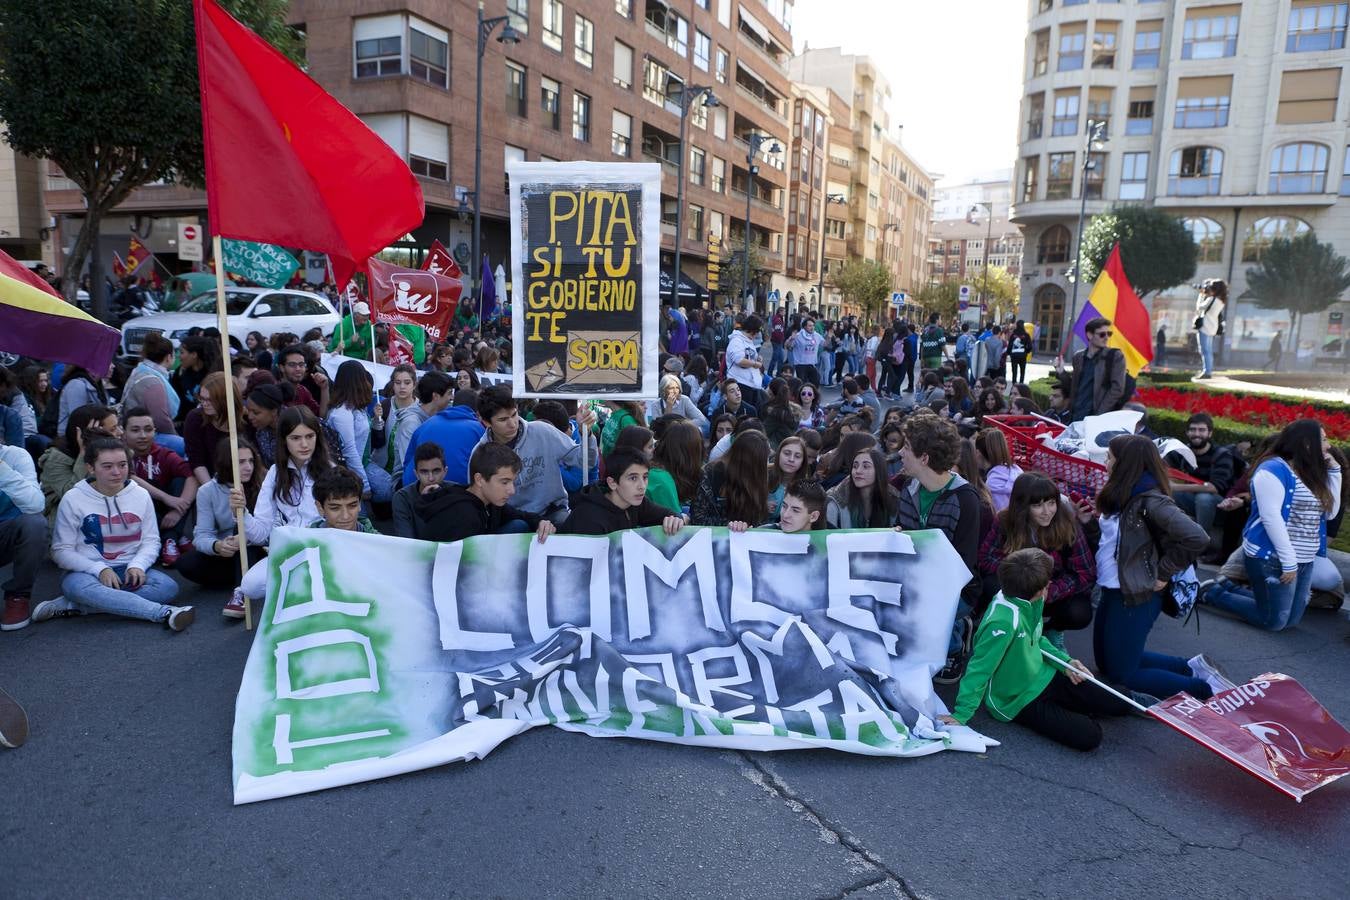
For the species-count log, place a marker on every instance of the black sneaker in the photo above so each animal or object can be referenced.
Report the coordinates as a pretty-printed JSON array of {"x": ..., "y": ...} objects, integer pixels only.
[{"x": 951, "y": 673}]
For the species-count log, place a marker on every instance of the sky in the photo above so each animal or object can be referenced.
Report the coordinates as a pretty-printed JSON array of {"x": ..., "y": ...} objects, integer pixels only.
[{"x": 955, "y": 68}]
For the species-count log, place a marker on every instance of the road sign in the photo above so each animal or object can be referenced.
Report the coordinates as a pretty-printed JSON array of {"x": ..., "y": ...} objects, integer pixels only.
[
  {"x": 899, "y": 298},
  {"x": 189, "y": 242},
  {"x": 963, "y": 300}
]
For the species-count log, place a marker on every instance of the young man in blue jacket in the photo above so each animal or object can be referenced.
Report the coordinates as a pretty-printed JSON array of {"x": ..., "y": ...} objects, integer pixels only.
[{"x": 457, "y": 430}]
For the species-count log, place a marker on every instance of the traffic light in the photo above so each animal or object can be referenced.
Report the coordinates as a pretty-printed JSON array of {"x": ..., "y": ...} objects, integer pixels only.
[{"x": 714, "y": 262}]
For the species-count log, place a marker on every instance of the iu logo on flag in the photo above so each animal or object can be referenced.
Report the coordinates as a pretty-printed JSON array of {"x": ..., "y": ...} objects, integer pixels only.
[{"x": 415, "y": 295}]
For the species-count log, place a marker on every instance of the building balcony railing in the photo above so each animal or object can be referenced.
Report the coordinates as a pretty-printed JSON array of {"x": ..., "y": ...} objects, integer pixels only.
[{"x": 763, "y": 102}]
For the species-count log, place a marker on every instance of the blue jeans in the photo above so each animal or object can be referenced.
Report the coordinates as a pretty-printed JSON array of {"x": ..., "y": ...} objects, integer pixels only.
[
  {"x": 381, "y": 483},
  {"x": 1266, "y": 603},
  {"x": 776, "y": 360},
  {"x": 1118, "y": 638},
  {"x": 1207, "y": 351},
  {"x": 146, "y": 602},
  {"x": 172, "y": 442},
  {"x": 1200, "y": 507}
]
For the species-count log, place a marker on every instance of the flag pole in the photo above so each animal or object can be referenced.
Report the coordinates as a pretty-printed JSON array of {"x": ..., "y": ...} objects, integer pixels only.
[
  {"x": 224, "y": 325},
  {"x": 1092, "y": 678}
]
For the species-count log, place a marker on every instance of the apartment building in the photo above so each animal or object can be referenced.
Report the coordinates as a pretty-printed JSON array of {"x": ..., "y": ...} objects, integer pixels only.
[
  {"x": 800, "y": 284},
  {"x": 1232, "y": 115},
  {"x": 23, "y": 223},
  {"x": 958, "y": 248},
  {"x": 952, "y": 200}
]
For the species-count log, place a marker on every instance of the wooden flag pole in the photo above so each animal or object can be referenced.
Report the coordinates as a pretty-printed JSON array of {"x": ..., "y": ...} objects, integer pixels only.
[
  {"x": 1055, "y": 660},
  {"x": 224, "y": 325}
]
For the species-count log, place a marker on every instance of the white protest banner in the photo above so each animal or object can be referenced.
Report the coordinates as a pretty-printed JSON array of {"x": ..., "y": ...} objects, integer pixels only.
[
  {"x": 585, "y": 251},
  {"x": 755, "y": 641}
]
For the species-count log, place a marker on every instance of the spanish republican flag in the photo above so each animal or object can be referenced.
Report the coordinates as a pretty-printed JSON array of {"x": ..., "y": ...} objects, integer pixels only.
[
  {"x": 1113, "y": 298},
  {"x": 285, "y": 162},
  {"x": 36, "y": 321}
]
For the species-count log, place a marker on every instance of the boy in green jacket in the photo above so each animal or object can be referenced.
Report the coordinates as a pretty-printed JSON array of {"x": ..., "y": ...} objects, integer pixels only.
[{"x": 1009, "y": 674}]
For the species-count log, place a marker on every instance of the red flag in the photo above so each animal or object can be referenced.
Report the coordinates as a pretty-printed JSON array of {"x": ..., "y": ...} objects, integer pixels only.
[
  {"x": 400, "y": 296},
  {"x": 119, "y": 267},
  {"x": 137, "y": 254},
  {"x": 285, "y": 162},
  {"x": 441, "y": 262},
  {"x": 400, "y": 349}
]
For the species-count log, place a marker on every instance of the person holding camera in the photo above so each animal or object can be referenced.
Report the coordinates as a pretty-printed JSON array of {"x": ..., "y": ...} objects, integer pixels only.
[{"x": 1209, "y": 309}]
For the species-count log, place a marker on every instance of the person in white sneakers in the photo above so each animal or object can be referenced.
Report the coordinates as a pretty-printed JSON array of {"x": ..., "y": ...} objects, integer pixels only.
[{"x": 107, "y": 540}]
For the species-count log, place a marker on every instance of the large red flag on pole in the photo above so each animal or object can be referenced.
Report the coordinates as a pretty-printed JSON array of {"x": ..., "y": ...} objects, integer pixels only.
[{"x": 288, "y": 164}]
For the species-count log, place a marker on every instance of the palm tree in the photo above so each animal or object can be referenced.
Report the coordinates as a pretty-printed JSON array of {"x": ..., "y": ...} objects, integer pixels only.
[{"x": 1300, "y": 275}]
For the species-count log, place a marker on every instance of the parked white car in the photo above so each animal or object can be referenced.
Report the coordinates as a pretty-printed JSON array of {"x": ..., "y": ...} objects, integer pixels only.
[{"x": 264, "y": 310}]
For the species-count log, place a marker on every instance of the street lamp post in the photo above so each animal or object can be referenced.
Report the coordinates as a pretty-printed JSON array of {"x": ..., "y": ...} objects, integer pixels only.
[
  {"x": 508, "y": 36},
  {"x": 988, "y": 238},
  {"x": 824, "y": 225},
  {"x": 889, "y": 226},
  {"x": 1095, "y": 140},
  {"x": 751, "y": 170},
  {"x": 688, "y": 97}
]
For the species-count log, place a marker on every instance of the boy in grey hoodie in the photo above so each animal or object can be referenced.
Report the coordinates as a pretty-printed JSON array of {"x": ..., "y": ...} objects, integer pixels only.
[{"x": 107, "y": 541}]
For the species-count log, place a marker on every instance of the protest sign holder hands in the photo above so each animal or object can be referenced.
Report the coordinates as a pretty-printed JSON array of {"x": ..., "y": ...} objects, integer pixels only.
[
  {"x": 224, "y": 325},
  {"x": 1070, "y": 669}
]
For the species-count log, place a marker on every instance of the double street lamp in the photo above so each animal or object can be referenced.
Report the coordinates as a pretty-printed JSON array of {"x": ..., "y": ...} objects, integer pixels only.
[
  {"x": 988, "y": 238},
  {"x": 689, "y": 96},
  {"x": 754, "y": 140},
  {"x": 1095, "y": 140},
  {"x": 508, "y": 36}
]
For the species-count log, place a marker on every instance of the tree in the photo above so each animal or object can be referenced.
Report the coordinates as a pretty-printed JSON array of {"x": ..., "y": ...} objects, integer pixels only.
[
  {"x": 733, "y": 270},
  {"x": 1156, "y": 248},
  {"x": 866, "y": 283},
  {"x": 943, "y": 297},
  {"x": 1299, "y": 275},
  {"x": 1003, "y": 292},
  {"x": 107, "y": 89}
]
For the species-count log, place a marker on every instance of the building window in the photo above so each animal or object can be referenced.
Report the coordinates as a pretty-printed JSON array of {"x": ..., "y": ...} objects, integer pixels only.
[
  {"x": 698, "y": 166},
  {"x": 1140, "y": 120},
  {"x": 1071, "y": 46},
  {"x": 1053, "y": 247},
  {"x": 665, "y": 23},
  {"x": 1066, "y": 115},
  {"x": 1203, "y": 102},
  {"x": 553, "y": 24},
  {"x": 1299, "y": 169},
  {"x": 1099, "y": 108},
  {"x": 1308, "y": 96},
  {"x": 1316, "y": 26},
  {"x": 723, "y": 64},
  {"x": 515, "y": 89},
  {"x": 581, "y": 117},
  {"x": 1095, "y": 176},
  {"x": 1208, "y": 237},
  {"x": 720, "y": 122},
  {"x": 623, "y": 65},
  {"x": 1030, "y": 168},
  {"x": 584, "y": 35},
  {"x": 624, "y": 8},
  {"x": 550, "y": 98},
  {"x": 518, "y": 14},
  {"x": 621, "y": 135},
  {"x": 654, "y": 79},
  {"x": 1264, "y": 231},
  {"x": 1147, "y": 45},
  {"x": 1044, "y": 5},
  {"x": 429, "y": 148},
  {"x": 1040, "y": 59},
  {"x": 1059, "y": 179},
  {"x": 1209, "y": 35},
  {"x": 376, "y": 57},
  {"x": 1195, "y": 172},
  {"x": 1345, "y": 174},
  {"x": 694, "y": 223},
  {"x": 702, "y": 50},
  {"x": 428, "y": 58},
  {"x": 1035, "y": 115},
  {"x": 1104, "y": 45},
  {"x": 719, "y": 175},
  {"x": 1133, "y": 176}
]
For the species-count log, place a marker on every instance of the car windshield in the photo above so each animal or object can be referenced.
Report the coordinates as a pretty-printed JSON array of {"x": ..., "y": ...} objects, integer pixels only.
[{"x": 236, "y": 303}]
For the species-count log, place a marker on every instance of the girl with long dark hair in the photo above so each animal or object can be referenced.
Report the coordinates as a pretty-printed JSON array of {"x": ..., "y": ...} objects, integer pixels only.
[
  {"x": 79, "y": 388},
  {"x": 349, "y": 397},
  {"x": 677, "y": 466},
  {"x": 213, "y": 560},
  {"x": 863, "y": 499},
  {"x": 1019, "y": 350},
  {"x": 781, "y": 416},
  {"x": 735, "y": 488},
  {"x": 788, "y": 469},
  {"x": 1294, "y": 492}
]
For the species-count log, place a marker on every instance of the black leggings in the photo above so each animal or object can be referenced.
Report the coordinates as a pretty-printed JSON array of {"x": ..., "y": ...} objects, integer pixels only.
[
  {"x": 1019, "y": 367},
  {"x": 215, "y": 571},
  {"x": 1063, "y": 712},
  {"x": 1069, "y": 613}
]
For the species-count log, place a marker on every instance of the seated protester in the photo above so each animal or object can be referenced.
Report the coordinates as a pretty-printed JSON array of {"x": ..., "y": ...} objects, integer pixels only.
[
  {"x": 349, "y": 398},
  {"x": 262, "y": 406},
  {"x": 996, "y": 465},
  {"x": 337, "y": 494},
  {"x": 543, "y": 451},
  {"x": 1037, "y": 516},
  {"x": 1021, "y": 406},
  {"x": 782, "y": 417},
  {"x": 435, "y": 392},
  {"x": 1216, "y": 466},
  {"x": 732, "y": 403},
  {"x": 213, "y": 561},
  {"x": 721, "y": 429},
  {"x": 672, "y": 399},
  {"x": 429, "y": 464},
  {"x": 960, "y": 400},
  {"x": 623, "y": 413},
  {"x": 1010, "y": 675},
  {"x": 23, "y": 532},
  {"x": 990, "y": 403},
  {"x": 456, "y": 431},
  {"x": 207, "y": 423},
  {"x": 677, "y": 467},
  {"x": 930, "y": 390},
  {"x": 808, "y": 401},
  {"x": 106, "y": 540},
  {"x": 553, "y": 412},
  {"x": 637, "y": 437},
  {"x": 166, "y": 477},
  {"x": 850, "y": 401},
  {"x": 869, "y": 396},
  {"x": 863, "y": 499},
  {"x": 836, "y": 464},
  {"x": 787, "y": 470},
  {"x": 1236, "y": 506},
  {"x": 720, "y": 449},
  {"x": 286, "y": 497},
  {"x": 626, "y": 504},
  {"x": 1061, "y": 405},
  {"x": 937, "y": 497},
  {"x": 78, "y": 388},
  {"x": 62, "y": 464},
  {"x": 148, "y": 388},
  {"x": 293, "y": 368},
  {"x": 802, "y": 509},
  {"x": 736, "y": 487}
]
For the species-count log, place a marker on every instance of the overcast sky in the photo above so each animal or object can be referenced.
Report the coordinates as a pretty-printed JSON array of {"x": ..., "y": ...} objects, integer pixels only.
[{"x": 954, "y": 68}]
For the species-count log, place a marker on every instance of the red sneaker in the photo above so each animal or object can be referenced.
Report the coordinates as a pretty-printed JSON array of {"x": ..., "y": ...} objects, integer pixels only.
[
  {"x": 169, "y": 555},
  {"x": 234, "y": 609},
  {"x": 15, "y": 615},
  {"x": 184, "y": 546}
]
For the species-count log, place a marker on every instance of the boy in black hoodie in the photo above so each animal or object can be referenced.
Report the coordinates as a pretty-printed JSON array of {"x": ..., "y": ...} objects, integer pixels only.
[
  {"x": 626, "y": 505},
  {"x": 453, "y": 512}
]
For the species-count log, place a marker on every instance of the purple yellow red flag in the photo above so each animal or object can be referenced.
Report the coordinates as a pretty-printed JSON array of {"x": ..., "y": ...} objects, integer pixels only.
[
  {"x": 38, "y": 322},
  {"x": 1112, "y": 298}
]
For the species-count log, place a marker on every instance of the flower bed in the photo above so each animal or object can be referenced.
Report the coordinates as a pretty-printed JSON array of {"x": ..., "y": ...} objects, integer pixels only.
[{"x": 1245, "y": 409}]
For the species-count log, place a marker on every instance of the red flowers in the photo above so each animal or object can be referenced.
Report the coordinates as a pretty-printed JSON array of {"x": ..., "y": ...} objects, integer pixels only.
[{"x": 1245, "y": 408}]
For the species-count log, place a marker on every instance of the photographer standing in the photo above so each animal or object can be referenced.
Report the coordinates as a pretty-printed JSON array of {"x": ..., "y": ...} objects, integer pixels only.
[{"x": 1209, "y": 308}]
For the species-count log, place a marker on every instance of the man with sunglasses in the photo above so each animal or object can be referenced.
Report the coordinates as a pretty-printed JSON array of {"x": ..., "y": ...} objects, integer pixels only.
[{"x": 1098, "y": 373}]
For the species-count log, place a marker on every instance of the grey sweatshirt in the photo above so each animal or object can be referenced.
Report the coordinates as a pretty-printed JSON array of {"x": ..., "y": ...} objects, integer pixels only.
[{"x": 542, "y": 448}]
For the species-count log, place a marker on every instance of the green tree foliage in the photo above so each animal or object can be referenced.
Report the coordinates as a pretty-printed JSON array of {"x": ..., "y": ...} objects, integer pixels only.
[
  {"x": 1004, "y": 292},
  {"x": 943, "y": 297},
  {"x": 867, "y": 284},
  {"x": 733, "y": 269},
  {"x": 1300, "y": 275},
  {"x": 107, "y": 89},
  {"x": 1155, "y": 246}
]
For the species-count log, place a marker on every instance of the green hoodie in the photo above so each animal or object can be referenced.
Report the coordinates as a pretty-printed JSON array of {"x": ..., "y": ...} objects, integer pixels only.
[{"x": 1007, "y": 670}]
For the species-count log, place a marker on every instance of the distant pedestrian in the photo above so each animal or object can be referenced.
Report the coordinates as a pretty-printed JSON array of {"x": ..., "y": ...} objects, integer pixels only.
[{"x": 1276, "y": 352}]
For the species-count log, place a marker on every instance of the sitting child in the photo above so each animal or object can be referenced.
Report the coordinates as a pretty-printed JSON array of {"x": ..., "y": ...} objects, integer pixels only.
[
  {"x": 453, "y": 512},
  {"x": 1010, "y": 675},
  {"x": 802, "y": 509},
  {"x": 625, "y": 505},
  {"x": 337, "y": 494},
  {"x": 166, "y": 477}
]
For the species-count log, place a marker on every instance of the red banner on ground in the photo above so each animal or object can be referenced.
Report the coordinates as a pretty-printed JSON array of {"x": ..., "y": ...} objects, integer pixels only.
[
  {"x": 400, "y": 296},
  {"x": 1272, "y": 727},
  {"x": 440, "y": 262}
]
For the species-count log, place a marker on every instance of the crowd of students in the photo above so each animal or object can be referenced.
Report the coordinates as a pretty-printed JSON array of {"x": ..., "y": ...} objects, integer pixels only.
[{"x": 117, "y": 494}]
